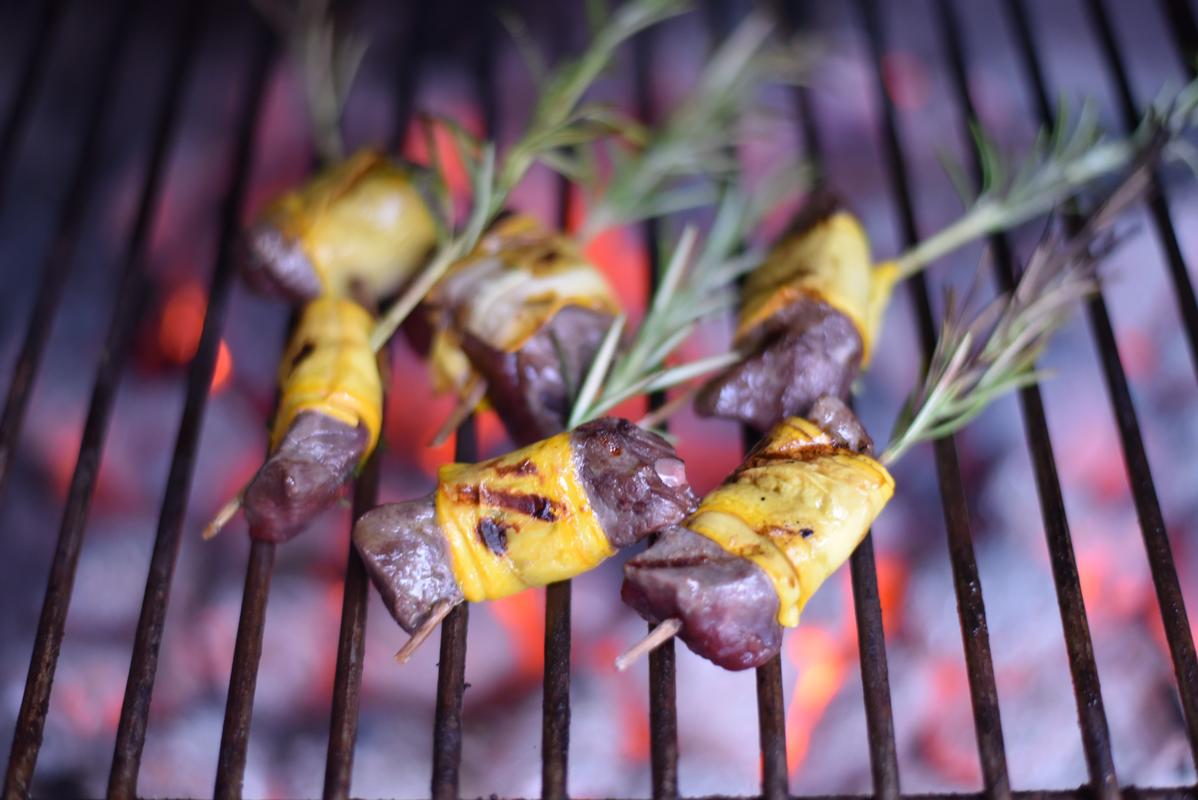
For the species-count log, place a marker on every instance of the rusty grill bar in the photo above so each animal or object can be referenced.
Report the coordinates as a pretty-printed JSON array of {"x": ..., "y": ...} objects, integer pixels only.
[{"x": 258, "y": 61}]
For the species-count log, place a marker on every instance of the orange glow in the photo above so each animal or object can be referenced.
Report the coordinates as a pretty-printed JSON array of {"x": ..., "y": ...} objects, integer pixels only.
[
  {"x": 823, "y": 660},
  {"x": 1092, "y": 570},
  {"x": 619, "y": 253},
  {"x": 523, "y": 617},
  {"x": 416, "y": 149},
  {"x": 634, "y": 722},
  {"x": 892, "y": 591},
  {"x": 632, "y": 711},
  {"x": 954, "y": 755},
  {"x": 182, "y": 322},
  {"x": 61, "y": 456},
  {"x": 222, "y": 372}
]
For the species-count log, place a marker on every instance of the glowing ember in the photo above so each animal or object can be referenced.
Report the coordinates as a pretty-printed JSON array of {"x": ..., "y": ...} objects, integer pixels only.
[
  {"x": 223, "y": 371},
  {"x": 892, "y": 591},
  {"x": 523, "y": 617},
  {"x": 182, "y": 322},
  {"x": 823, "y": 660}
]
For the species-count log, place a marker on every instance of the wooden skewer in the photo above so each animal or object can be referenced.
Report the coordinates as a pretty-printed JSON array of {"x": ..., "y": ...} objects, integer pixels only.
[
  {"x": 474, "y": 395},
  {"x": 222, "y": 518},
  {"x": 440, "y": 611},
  {"x": 657, "y": 637},
  {"x": 669, "y": 408}
]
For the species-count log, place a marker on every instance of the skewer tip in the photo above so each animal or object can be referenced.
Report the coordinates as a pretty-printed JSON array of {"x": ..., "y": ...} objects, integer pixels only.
[
  {"x": 440, "y": 611},
  {"x": 223, "y": 517},
  {"x": 665, "y": 631}
]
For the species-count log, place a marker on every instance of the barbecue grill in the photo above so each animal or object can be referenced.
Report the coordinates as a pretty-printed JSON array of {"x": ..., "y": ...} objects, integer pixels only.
[{"x": 187, "y": 21}]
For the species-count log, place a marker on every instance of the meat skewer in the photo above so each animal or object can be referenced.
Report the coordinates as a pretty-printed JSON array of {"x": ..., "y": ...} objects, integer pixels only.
[
  {"x": 357, "y": 230},
  {"x": 541, "y": 514},
  {"x": 811, "y": 311},
  {"x": 326, "y": 425},
  {"x": 741, "y": 567},
  {"x": 808, "y": 320},
  {"x": 745, "y": 562}
]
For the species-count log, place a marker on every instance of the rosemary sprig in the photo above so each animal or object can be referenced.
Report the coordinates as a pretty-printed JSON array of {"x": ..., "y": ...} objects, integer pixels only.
[
  {"x": 327, "y": 60},
  {"x": 557, "y": 121},
  {"x": 695, "y": 284},
  {"x": 1063, "y": 159},
  {"x": 978, "y": 360},
  {"x": 682, "y": 163}
]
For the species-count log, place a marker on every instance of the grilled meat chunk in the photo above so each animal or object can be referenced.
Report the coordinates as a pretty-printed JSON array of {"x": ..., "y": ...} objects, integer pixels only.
[
  {"x": 803, "y": 352},
  {"x": 727, "y": 605},
  {"x": 408, "y": 559},
  {"x": 783, "y": 522},
  {"x": 531, "y": 387},
  {"x": 303, "y": 476}
]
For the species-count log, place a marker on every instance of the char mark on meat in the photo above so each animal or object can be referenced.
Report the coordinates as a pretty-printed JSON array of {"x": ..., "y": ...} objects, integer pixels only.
[{"x": 303, "y": 476}]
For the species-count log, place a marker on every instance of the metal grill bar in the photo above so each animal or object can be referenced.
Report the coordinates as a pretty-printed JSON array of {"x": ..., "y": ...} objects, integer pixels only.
[
  {"x": 1185, "y": 33},
  {"x": 247, "y": 651},
  {"x": 1158, "y": 205},
  {"x": 351, "y": 643},
  {"x": 130, "y": 294},
  {"x": 867, "y": 604},
  {"x": 967, "y": 583},
  {"x": 1087, "y": 692},
  {"x": 247, "y": 654},
  {"x": 135, "y": 709},
  {"x": 1148, "y": 508},
  {"x": 451, "y": 669},
  {"x": 351, "y": 648},
  {"x": 57, "y": 262},
  {"x": 555, "y": 703},
  {"x": 35, "y": 64}
]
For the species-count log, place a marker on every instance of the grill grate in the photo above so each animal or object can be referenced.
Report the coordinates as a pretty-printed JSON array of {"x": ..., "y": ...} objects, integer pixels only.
[{"x": 447, "y": 732}]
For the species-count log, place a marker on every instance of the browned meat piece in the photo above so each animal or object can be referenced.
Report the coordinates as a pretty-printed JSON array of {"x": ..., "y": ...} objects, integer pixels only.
[
  {"x": 276, "y": 265},
  {"x": 407, "y": 559},
  {"x": 636, "y": 482},
  {"x": 805, "y": 351},
  {"x": 727, "y": 605},
  {"x": 838, "y": 421},
  {"x": 529, "y": 388},
  {"x": 303, "y": 476}
]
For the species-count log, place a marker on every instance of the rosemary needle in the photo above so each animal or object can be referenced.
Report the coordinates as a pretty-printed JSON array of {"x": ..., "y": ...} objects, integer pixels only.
[
  {"x": 976, "y": 360},
  {"x": 557, "y": 121}
]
